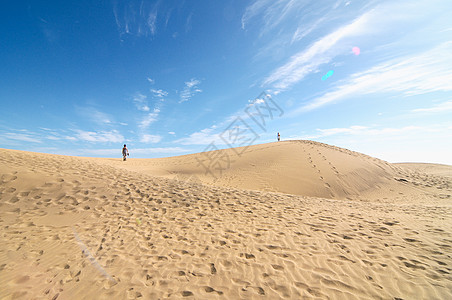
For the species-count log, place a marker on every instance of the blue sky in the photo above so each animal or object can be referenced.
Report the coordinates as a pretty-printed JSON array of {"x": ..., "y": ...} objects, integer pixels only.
[{"x": 169, "y": 77}]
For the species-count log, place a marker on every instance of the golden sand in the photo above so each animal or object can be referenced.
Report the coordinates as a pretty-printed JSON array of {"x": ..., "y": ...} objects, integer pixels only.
[{"x": 294, "y": 219}]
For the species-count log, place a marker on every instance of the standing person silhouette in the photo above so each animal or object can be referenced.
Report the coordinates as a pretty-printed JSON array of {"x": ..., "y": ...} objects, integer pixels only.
[
  {"x": 125, "y": 152},
  {"x": 279, "y": 137}
]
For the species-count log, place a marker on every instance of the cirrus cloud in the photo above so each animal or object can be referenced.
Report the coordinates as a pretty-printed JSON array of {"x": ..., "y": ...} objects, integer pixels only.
[
  {"x": 112, "y": 136},
  {"x": 140, "y": 102},
  {"x": 414, "y": 75},
  {"x": 440, "y": 107},
  {"x": 190, "y": 89},
  {"x": 149, "y": 119},
  {"x": 149, "y": 138}
]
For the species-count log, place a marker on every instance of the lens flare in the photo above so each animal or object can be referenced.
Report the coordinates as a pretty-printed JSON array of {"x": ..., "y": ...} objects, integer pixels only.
[
  {"x": 324, "y": 77},
  {"x": 356, "y": 50}
]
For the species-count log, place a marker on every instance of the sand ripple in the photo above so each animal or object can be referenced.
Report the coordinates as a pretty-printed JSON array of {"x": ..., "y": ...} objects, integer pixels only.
[{"x": 73, "y": 228}]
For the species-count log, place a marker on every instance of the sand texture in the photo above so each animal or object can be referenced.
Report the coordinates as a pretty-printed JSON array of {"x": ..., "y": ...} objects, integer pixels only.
[{"x": 295, "y": 220}]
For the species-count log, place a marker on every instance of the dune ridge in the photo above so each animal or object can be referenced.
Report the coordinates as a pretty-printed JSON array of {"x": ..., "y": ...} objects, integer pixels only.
[{"x": 84, "y": 228}]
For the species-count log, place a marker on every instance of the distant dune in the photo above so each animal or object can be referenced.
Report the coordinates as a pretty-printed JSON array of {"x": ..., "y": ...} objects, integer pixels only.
[
  {"x": 294, "y": 220},
  {"x": 432, "y": 169}
]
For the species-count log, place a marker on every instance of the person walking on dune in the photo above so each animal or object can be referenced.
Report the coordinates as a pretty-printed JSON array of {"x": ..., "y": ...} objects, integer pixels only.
[
  {"x": 279, "y": 137},
  {"x": 125, "y": 152}
]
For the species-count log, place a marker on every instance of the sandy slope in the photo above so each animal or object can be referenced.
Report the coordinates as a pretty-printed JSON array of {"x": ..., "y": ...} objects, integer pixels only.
[
  {"x": 79, "y": 228},
  {"x": 294, "y": 167}
]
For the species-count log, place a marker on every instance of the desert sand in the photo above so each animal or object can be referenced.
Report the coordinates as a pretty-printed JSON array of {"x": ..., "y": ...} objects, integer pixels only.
[{"x": 294, "y": 219}]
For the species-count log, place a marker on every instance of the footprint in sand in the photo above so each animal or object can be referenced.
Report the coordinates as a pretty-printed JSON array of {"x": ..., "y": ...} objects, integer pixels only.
[
  {"x": 186, "y": 293},
  {"x": 8, "y": 178},
  {"x": 14, "y": 199},
  {"x": 209, "y": 289},
  {"x": 277, "y": 267}
]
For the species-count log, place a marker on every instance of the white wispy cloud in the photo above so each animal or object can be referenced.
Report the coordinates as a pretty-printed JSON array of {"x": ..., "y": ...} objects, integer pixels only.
[
  {"x": 321, "y": 52},
  {"x": 294, "y": 19},
  {"x": 50, "y": 134},
  {"x": 94, "y": 115},
  {"x": 150, "y": 22},
  {"x": 202, "y": 137},
  {"x": 49, "y": 30},
  {"x": 171, "y": 132},
  {"x": 286, "y": 22},
  {"x": 149, "y": 138},
  {"x": 414, "y": 75},
  {"x": 375, "y": 22},
  {"x": 190, "y": 89},
  {"x": 150, "y": 80},
  {"x": 112, "y": 136},
  {"x": 52, "y": 137},
  {"x": 440, "y": 107},
  {"x": 273, "y": 13},
  {"x": 188, "y": 23},
  {"x": 253, "y": 10},
  {"x": 239, "y": 119},
  {"x": 149, "y": 119},
  {"x": 14, "y": 136},
  {"x": 212, "y": 134},
  {"x": 140, "y": 102},
  {"x": 159, "y": 93},
  {"x": 304, "y": 30},
  {"x": 133, "y": 18},
  {"x": 23, "y": 137}
]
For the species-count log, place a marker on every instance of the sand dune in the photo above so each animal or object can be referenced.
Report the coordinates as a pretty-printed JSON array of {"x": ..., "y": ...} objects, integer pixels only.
[
  {"x": 304, "y": 168},
  {"x": 431, "y": 169},
  {"x": 84, "y": 228}
]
